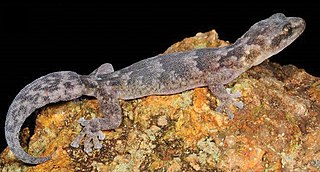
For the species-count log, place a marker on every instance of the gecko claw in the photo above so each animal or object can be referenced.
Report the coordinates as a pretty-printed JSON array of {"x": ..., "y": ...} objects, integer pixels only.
[
  {"x": 83, "y": 121},
  {"x": 90, "y": 134}
]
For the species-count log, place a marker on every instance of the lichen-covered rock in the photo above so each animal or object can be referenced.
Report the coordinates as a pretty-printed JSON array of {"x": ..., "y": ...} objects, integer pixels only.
[{"x": 278, "y": 129}]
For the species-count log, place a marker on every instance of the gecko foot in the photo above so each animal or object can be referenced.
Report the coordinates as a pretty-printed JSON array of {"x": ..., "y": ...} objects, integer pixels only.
[
  {"x": 227, "y": 100},
  {"x": 90, "y": 132}
]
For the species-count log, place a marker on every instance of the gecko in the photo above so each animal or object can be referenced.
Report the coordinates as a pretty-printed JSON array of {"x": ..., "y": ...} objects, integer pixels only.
[{"x": 159, "y": 75}]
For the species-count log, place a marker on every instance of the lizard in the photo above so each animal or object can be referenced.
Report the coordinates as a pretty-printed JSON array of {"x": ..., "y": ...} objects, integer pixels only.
[{"x": 163, "y": 74}]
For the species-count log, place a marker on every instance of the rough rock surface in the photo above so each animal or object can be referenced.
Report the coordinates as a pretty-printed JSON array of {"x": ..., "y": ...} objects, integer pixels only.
[{"x": 277, "y": 130}]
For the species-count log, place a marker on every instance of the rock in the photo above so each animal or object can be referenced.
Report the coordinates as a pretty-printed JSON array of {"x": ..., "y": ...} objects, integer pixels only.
[{"x": 278, "y": 128}]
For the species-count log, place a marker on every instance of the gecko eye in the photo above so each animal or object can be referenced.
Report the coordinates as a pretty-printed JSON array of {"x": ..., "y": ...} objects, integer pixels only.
[{"x": 287, "y": 29}]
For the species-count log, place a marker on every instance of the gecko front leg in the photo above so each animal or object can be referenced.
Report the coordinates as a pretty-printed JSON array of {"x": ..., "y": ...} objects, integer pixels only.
[
  {"x": 92, "y": 131},
  {"x": 216, "y": 86}
]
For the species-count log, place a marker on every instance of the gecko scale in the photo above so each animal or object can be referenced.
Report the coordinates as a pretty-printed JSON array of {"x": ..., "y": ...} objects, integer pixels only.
[{"x": 158, "y": 75}]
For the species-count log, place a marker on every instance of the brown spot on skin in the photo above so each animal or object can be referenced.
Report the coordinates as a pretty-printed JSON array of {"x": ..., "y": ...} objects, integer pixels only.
[
  {"x": 257, "y": 41},
  {"x": 252, "y": 56},
  {"x": 236, "y": 51},
  {"x": 68, "y": 85},
  {"x": 277, "y": 40}
]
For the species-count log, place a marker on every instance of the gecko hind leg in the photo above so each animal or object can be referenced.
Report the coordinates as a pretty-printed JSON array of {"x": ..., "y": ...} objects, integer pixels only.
[
  {"x": 91, "y": 133},
  {"x": 102, "y": 70},
  {"x": 226, "y": 98}
]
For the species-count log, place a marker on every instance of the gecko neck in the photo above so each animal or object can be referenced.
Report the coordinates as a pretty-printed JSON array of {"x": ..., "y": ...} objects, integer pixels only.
[{"x": 249, "y": 52}]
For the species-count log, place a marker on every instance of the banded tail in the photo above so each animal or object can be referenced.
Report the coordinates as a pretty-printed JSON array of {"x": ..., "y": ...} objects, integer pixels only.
[{"x": 54, "y": 87}]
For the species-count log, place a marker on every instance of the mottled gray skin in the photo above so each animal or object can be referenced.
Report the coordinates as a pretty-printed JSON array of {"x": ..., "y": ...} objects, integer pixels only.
[{"x": 159, "y": 75}]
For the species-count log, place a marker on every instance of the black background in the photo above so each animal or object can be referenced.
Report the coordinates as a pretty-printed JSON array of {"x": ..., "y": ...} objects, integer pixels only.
[{"x": 36, "y": 39}]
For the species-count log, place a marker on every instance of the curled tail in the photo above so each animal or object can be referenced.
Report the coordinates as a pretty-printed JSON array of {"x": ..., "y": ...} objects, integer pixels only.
[{"x": 54, "y": 87}]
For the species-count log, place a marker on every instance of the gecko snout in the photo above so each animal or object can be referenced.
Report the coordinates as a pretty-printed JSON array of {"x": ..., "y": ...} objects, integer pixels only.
[{"x": 297, "y": 24}]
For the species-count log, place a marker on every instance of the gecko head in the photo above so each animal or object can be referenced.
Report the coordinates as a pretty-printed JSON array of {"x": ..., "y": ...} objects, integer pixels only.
[
  {"x": 273, "y": 34},
  {"x": 285, "y": 31}
]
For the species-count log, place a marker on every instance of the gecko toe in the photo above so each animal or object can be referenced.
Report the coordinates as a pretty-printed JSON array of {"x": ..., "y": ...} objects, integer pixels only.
[
  {"x": 225, "y": 108},
  {"x": 234, "y": 95},
  {"x": 83, "y": 121},
  {"x": 100, "y": 135},
  {"x": 230, "y": 114},
  {"x": 238, "y": 104},
  {"x": 87, "y": 149},
  {"x": 220, "y": 108},
  {"x": 96, "y": 143}
]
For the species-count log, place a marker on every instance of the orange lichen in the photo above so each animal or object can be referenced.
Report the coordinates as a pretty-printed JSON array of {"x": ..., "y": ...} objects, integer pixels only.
[
  {"x": 314, "y": 91},
  {"x": 242, "y": 153},
  {"x": 200, "y": 40}
]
